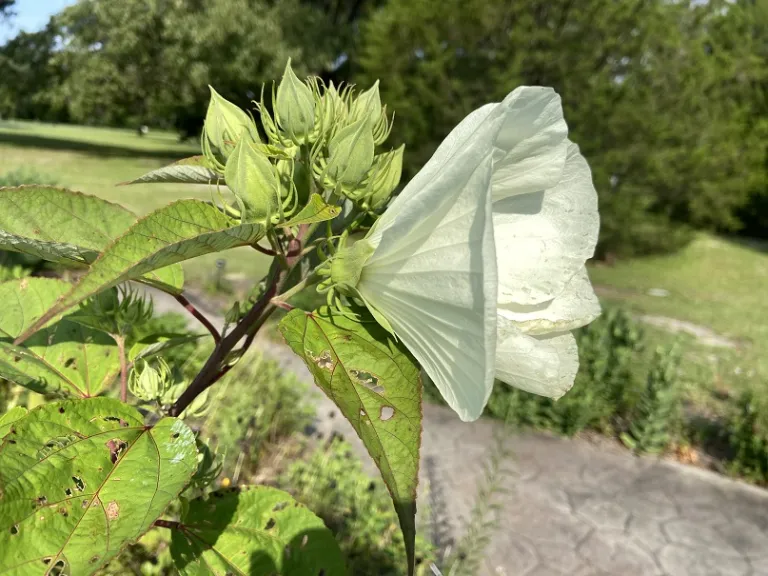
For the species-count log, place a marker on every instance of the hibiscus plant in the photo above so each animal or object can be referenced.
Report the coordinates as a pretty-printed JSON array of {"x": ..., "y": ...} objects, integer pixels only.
[{"x": 473, "y": 273}]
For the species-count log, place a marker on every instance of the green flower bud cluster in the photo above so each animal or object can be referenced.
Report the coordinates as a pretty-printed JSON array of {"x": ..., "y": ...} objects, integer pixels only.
[
  {"x": 150, "y": 382},
  {"x": 117, "y": 312},
  {"x": 312, "y": 138}
]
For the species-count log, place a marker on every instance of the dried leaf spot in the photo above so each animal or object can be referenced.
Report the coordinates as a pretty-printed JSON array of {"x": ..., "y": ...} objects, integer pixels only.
[
  {"x": 79, "y": 484},
  {"x": 270, "y": 524},
  {"x": 116, "y": 447},
  {"x": 14, "y": 529},
  {"x": 94, "y": 559},
  {"x": 367, "y": 379},
  {"x": 84, "y": 504},
  {"x": 113, "y": 510},
  {"x": 70, "y": 363},
  {"x": 17, "y": 358},
  {"x": 279, "y": 506},
  {"x": 68, "y": 492},
  {"x": 63, "y": 512},
  {"x": 61, "y": 410},
  {"x": 47, "y": 560},
  {"x": 41, "y": 501},
  {"x": 304, "y": 540},
  {"x": 324, "y": 361},
  {"x": 386, "y": 413}
]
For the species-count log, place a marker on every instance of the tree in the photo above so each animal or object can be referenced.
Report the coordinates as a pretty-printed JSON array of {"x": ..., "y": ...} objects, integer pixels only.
[
  {"x": 150, "y": 61},
  {"x": 646, "y": 87}
]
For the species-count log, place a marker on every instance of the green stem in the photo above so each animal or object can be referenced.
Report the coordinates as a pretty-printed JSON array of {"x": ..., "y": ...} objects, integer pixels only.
[{"x": 310, "y": 280}]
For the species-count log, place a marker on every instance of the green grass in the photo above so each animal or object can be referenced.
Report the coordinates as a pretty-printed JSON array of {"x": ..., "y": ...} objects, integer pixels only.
[
  {"x": 93, "y": 160},
  {"x": 715, "y": 282}
]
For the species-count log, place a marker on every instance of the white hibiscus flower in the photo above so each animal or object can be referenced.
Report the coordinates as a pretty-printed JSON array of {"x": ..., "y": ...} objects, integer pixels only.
[{"x": 478, "y": 265}]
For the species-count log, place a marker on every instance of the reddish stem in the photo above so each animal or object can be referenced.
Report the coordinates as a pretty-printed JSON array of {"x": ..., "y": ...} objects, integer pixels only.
[
  {"x": 170, "y": 524},
  {"x": 123, "y": 368},
  {"x": 266, "y": 251},
  {"x": 199, "y": 315}
]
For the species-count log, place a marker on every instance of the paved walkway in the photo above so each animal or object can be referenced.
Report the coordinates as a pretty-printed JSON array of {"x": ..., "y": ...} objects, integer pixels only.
[{"x": 575, "y": 509}]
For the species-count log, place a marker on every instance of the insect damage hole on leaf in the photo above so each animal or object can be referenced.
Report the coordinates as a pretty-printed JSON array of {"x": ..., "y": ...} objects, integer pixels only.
[
  {"x": 323, "y": 361},
  {"x": 386, "y": 413},
  {"x": 116, "y": 447},
  {"x": 367, "y": 379},
  {"x": 79, "y": 484}
]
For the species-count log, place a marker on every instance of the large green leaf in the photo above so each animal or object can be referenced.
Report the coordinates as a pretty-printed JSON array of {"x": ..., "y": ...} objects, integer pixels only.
[
  {"x": 7, "y": 419},
  {"x": 254, "y": 531},
  {"x": 80, "y": 479},
  {"x": 183, "y": 230},
  {"x": 377, "y": 387},
  {"x": 67, "y": 227},
  {"x": 316, "y": 210},
  {"x": 65, "y": 357},
  {"x": 193, "y": 170}
]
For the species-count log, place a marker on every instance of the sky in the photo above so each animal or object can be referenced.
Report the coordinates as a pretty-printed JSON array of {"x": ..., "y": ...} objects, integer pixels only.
[{"x": 31, "y": 15}]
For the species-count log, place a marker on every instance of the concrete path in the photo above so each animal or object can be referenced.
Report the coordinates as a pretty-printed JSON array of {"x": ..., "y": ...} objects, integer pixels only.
[{"x": 575, "y": 509}]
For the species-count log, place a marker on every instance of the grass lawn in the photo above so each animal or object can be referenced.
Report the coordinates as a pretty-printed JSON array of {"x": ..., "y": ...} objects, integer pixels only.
[
  {"x": 93, "y": 160},
  {"x": 715, "y": 282}
]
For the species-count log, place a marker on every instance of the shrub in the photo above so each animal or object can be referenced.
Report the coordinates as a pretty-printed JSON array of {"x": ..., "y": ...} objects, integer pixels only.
[
  {"x": 356, "y": 508},
  {"x": 656, "y": 418},
  {"x": 748, "y": 437}
]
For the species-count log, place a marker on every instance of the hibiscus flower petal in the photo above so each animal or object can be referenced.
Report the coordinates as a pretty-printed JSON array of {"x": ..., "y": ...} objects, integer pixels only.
[
  {"x": 575, "y": 307},
  {"x": 433, "y": 277},
  {"x": 544, "y": 365},
  {"x": 532, "y": 145},
  {"x": 544, "y": 238}
]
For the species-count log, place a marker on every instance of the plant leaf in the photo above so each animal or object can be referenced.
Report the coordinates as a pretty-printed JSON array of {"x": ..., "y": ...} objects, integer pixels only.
[
  {"x": 7, "y": 419},
  {"x": 377, "y": 387},
  {"x": 183, "y": 230},
  {"x": 254, "y": 531},
  {"x": 67, "y": 227},
  {"x": 80, "y": 479},
  {"x": 316, "y": 210},
  {"x": 192, "y": 170},
  {"x": 159, "y": 343},
  {"x": 25, "y": 300},
  {"x": 65, "y": 357}
]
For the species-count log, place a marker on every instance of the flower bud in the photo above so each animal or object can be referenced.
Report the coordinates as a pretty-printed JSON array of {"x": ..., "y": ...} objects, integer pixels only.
[
  {"x": 384, "y": 177},
  {"x": 350, "y": 154},
  {"x": 367, "y": 106},
  {"x": 330, "y": 107},
  {"x": 252, "y": 178},
  {"x": 151, "y": 382},
  {"x": 225, "y": 123},
  {"x": 294, "y": 107}
]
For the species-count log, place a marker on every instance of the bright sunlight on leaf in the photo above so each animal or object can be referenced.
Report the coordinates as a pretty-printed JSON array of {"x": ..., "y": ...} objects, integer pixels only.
[
  {"x": 81, "y": 478},
  {"x": 377, "y": 387}
]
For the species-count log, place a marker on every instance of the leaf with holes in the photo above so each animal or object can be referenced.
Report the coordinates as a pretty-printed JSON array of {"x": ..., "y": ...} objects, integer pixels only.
[
  {"x": 377, "y": 387},
  {"x": 316, "y": 210},
  {"x": 253, "y": 531},
  {"x": 67, "y": 227},
  {"x": 7, "y": 419},
  {"x": 193, "y": 170},
  {"x": 183, "y": 230},
  {"x": 82, "y": 478},
  {"x": 64, "y": 357}
]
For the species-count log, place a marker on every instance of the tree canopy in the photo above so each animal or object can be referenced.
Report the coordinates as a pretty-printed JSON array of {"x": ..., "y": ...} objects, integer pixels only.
[{"x": 665, "y": 99}]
